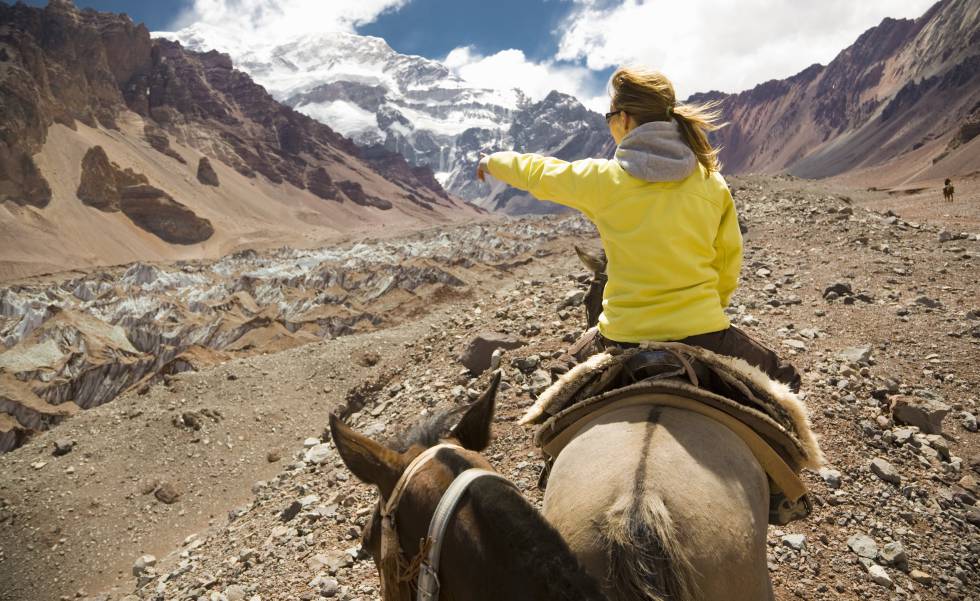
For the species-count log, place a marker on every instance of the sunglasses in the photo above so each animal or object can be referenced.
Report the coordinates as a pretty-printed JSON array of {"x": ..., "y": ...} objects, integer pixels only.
[{"x": 612, "y": 114}]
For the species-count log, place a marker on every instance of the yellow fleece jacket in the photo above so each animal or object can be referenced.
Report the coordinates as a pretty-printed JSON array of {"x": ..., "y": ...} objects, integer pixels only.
[{"x": 674, "y": 249}]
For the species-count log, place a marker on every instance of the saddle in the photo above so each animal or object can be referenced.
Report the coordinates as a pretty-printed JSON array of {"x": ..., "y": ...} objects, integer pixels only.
[{"x": 765, "y": 414}]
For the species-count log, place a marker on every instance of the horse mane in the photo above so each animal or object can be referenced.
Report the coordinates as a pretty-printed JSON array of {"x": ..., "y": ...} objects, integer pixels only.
[{"x": 426, "y": 432}]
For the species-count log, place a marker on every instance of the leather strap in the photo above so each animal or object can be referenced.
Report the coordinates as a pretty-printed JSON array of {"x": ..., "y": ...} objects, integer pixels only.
[
  {"x": 428, "y": 585},
  {"x": 393, "y": 588},
  {"x": 421, "y": 459}
]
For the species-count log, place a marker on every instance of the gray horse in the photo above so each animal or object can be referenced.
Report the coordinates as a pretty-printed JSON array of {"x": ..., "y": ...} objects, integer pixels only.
[{"x": 661, "y": 503}]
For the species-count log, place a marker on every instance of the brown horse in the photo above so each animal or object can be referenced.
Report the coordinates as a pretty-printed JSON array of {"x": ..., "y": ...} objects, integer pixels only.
[{"x": 497, "y": 545}]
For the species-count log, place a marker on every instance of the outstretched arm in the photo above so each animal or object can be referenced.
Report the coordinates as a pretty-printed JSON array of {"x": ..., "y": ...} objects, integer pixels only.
[{"x": 573, "y": 184}]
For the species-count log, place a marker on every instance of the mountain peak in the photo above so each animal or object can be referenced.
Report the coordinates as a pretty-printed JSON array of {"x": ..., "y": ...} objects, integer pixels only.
[{"x": 410, "y": 105}]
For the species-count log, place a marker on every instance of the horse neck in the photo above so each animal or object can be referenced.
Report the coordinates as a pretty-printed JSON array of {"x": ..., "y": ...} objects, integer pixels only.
[
  {"x": 506, "y": 550},
  {"x": 593, "y": 300}
]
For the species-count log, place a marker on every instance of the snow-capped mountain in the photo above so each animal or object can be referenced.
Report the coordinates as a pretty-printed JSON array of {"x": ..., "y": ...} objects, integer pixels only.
[{"x": 362, "y": 88}]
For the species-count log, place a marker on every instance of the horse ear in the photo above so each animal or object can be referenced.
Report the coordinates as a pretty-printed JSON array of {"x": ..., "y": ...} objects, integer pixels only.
[
  {"x": 596, "y": 264},
  {"x": 370, "y": 461},
  {"x": 473, "y": 430}
]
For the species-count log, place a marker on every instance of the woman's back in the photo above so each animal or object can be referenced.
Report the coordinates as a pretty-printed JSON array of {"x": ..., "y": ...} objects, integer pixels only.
[
  {"x": 674, "y": 247},
  {"x": 674, "y": 253}
]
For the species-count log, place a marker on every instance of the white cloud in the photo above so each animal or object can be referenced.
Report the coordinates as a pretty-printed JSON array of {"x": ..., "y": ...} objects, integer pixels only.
[
  {"x": 727, "y": 45},
  {"x": 268, "y": 22},
  {"x": 510, "y": 69}
]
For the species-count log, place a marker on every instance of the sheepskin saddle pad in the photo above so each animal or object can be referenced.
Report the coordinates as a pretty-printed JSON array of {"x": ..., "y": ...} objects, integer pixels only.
[{"x": 765, "y": 413}]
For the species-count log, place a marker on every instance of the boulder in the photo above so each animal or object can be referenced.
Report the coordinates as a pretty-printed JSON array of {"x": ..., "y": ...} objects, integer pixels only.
[
  {"x": 477, "y": 355},
  {"x": 98, "y": 187},
  {"x": 206, "y": 173},
  {"x": 831, "y": 477},
  {"x": 318, "y": 453},
  {"x": 863, "y": 545},
  {"x": 837, "y": 290},
  {"x": 929, "y": 302},
  {"x": 63, "y": 446},
  {"x": 923, "y": 578},
  {"x": 893, "y": 553},
  {"x": 158, "y": 139},
  {"x": 167, "y": 493},
  {"x": 857, "y": 354},
  {"x": 320, "y": 183},
  {"x": 142, "y": 563},
  {"x": 572, "y": 298},
  {"x": 157, "y": 212},
  {"x": 355, "y": 192},
  {"x": 879, "y": 576},
  {"x": 539, "y": 381},
  {"x": 925, "y": 414},
  {"x": 885, "y": 471}
]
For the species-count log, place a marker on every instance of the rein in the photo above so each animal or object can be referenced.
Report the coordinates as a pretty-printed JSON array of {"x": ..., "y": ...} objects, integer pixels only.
[{"x": 396, "y": 573}]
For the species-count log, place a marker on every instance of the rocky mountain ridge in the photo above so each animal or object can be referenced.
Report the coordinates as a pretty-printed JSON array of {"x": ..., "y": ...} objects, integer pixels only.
[
  {"x": 99, "y": 76},
  {"x": 415, "y": 107},
  {"x": 900, "y": 104}
]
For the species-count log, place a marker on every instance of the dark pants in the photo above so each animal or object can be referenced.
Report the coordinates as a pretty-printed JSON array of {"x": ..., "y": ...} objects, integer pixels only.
[{"x": 734, "y": 343}]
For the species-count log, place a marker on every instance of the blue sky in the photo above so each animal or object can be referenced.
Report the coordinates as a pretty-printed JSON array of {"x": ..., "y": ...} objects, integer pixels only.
[
  {"x": 570, "y": 45},
  {"x": 430, "y": 28}
]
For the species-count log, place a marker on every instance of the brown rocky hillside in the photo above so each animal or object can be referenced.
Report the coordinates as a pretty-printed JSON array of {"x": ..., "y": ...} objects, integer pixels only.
[
  {"x": 901, "y": 104},
  {"x": 72, "y": 80}
]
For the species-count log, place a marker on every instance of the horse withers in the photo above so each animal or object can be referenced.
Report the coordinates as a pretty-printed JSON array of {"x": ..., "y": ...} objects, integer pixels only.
[{"x": 496, "y": 545}]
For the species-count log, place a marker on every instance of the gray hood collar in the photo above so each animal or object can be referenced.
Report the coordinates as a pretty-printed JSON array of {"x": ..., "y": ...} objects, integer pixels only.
[{"x": 656, "y": 152}]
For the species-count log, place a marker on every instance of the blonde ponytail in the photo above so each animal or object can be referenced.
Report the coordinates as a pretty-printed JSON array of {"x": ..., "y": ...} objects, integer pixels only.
[{"x": 649, "y": 96}]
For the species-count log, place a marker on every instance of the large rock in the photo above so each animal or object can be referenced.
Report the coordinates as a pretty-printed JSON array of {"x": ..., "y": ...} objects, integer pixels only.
[
  {"x": 320, "y": 183},
  {"x": 98, "y": 187},
  {"x": 863, "y": 545},
  {"x": 857, "y": 354},
  {"x": 142, "y": 563},
  {"x": 167, "y": 493},
  {"x": 879, "y": 576},
  {"x": 206, "y": 173},
  {"x": 926, "y": 414},
  {"x": 355, "y": 192},
  {"x": 157, "y": 212},
  {"x": 477, "y": 355},
  {"x": 108, "y": 187},
  {"x": 318, "y": 453},
  {"x": 886, "y": 471},
  {"x": 893, "y": 553}
]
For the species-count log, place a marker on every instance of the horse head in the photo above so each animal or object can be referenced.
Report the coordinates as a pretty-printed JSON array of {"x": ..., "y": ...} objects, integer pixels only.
[
  {"x": 596, "y": 263},
  {"x": 491, "y": 539},
  {"x": 383, "y": 465}
]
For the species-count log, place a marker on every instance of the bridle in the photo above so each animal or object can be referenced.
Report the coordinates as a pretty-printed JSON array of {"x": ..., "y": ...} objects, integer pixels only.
[{"x": 396, "y": 573}]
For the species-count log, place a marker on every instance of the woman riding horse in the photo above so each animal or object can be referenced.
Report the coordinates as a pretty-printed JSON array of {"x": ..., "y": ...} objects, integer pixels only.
[{"x": 666, "y": 219}]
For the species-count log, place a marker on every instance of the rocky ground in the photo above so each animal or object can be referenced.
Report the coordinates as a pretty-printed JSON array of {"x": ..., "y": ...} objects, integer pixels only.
[
  {"x": 219, "y": 484},
  {"x": 81, "y": 340}
]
